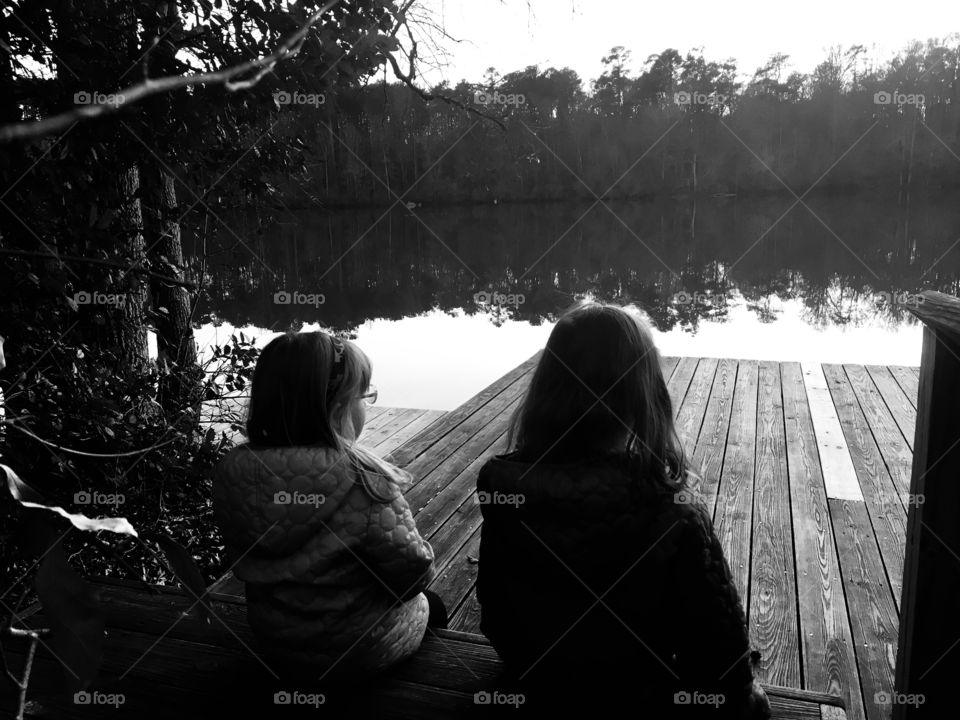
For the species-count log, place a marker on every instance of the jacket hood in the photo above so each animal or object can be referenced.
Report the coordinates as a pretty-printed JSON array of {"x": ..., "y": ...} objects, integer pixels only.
[{"x": 278, "y": 498}]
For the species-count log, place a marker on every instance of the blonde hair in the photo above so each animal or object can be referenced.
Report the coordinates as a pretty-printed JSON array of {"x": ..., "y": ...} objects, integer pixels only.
[{"x": 302, "y": 388}]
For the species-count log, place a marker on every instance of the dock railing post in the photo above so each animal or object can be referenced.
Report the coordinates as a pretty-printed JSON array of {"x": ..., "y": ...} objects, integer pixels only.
[{"x": 928, "y": 652}]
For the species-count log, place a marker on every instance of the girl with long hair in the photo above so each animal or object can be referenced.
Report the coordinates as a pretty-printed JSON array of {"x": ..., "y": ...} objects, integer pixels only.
[{"x": 600, "y": 576}]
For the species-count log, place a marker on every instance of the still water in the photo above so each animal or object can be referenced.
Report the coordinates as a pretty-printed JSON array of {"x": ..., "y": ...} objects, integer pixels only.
[{"x": 445, "y": 300}]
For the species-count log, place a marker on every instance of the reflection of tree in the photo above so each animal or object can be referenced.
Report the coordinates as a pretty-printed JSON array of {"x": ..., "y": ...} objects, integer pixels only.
[{"x": 679, "y": 270}]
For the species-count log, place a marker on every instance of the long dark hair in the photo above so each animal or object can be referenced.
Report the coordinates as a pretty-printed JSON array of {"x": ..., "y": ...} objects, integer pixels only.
[
  {"x": 599, "y": 377},
  {"x": 293, "y": 402}
]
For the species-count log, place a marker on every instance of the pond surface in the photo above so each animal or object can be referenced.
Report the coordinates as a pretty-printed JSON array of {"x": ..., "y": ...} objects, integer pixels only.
[{"x": 447, "y": 299}]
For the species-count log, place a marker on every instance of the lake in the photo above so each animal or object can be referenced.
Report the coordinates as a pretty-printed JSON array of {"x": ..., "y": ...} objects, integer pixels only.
[{"x": 447, "y": 299}]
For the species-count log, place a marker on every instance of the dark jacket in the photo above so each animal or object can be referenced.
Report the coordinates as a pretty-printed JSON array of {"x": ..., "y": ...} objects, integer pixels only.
[{"x": 589, "y": 574}]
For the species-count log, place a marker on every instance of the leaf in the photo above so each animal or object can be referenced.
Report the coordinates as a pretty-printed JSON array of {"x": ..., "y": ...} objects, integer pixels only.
[
  {"x": 74, "y": 616},
  {"x": 30, "y": 498},
  {"x": 186, "y": 570},
  {"x": 19, "y": 489}
]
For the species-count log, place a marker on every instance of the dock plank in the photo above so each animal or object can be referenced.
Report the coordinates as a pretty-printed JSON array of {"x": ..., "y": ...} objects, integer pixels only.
[
  {"x": 401, "y": 418},
  {"x": 908, "y": 380},
  {"x": 680, "y": 380},
  {"x": 437, "y": 431},
  {"x": 879, "y": 492},
  {"x": 458, "y": 578},
  {"x": 467, "y": 616},
  {"x": 773, "y": 608},
  {"x": 419, "y": 423},
  {"x": 897, "y": 402},
  {"x": 873, "y": 615},
  {"x": 707, "y": 457},
  {"x": 893, "y": 446},
  {"x": 734, "y": 513},
  {"x": 496, "y": 410},
  {"x": 839, "y": 475},
  {"x": 829, "y": 659},
  {"x": 694, "y": 406}
]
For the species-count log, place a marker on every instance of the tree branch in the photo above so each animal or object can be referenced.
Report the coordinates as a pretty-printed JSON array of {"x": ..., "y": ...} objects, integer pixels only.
[
  {"x": 228, "y": 77},
  {"x": 407, "y": 79}
]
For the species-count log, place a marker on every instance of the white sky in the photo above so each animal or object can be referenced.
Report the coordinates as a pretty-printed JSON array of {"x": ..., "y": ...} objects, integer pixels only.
[{"x": 511, "y": 34}]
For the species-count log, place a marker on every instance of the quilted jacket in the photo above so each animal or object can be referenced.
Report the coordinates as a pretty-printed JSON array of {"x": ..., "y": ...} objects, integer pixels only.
[
  {"x": 333, "y": 577},
  {"x": 590, "y": 574}
]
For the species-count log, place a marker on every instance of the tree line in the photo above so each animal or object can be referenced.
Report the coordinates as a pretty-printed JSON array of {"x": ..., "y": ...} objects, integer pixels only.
[{"x": 684, "y": 124}]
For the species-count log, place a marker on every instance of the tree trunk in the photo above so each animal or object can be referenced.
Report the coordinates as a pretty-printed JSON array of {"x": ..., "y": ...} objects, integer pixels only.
[{"x": 126, "y": 325}]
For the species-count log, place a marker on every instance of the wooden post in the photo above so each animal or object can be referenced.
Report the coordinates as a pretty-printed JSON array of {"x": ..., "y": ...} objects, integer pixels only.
[{"x": 928, "y": 654}]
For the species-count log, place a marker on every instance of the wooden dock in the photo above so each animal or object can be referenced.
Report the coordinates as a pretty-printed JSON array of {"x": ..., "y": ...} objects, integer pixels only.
[{"x": 805, "y": 467}]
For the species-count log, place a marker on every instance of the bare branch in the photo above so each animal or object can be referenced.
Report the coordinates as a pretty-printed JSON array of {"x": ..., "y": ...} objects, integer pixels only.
[
  {"x": 407, "y": 79},
  {"x": 230, "y": 78}
]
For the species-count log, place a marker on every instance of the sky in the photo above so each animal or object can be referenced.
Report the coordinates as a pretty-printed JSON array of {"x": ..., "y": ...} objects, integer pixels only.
[{"x": 512, "y": 34}]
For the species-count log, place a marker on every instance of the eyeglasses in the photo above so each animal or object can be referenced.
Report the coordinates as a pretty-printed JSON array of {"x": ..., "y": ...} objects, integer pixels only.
[{"x": 371, "y": 396}]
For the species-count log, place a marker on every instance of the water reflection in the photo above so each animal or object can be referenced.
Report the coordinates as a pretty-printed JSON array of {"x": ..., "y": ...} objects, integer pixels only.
[{"x": 716, "y": 276}]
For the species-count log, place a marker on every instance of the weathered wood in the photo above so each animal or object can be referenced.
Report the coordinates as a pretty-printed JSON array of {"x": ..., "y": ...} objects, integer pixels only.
[
  {"x": 467, "y": 617},
  {"x": 938, "y": 311},
  {"x": 694, "y": 406},
  {"x": 908, "y": 380},
  {"x": 458, "y": 578},
  {"x": 401, "y": 418},
  {"x": 680, "y": 381},
  {"x": 420, "y": 423},
  {"x": 838, "y": 472},
  {"x": 497, "y": 411},
  {"x": 438, "y": 509},
  {"x": 879, "y": 493},
  {"x": 895, "y": 450},
  {"x": 707, "y": 458},
  {"x": 904, "y": 412},
  {"x": 873, "y": 616},
  {"x": 667, "y": 367},
  {"x": 374, "y": 422},
  {"x": 437, "y": 431},
  {"x": 773, "y": 593},
  {"x": 829, "y": 660},
  {"x": 930, "y": 631},
  {"x": 734, "y": 514}
]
